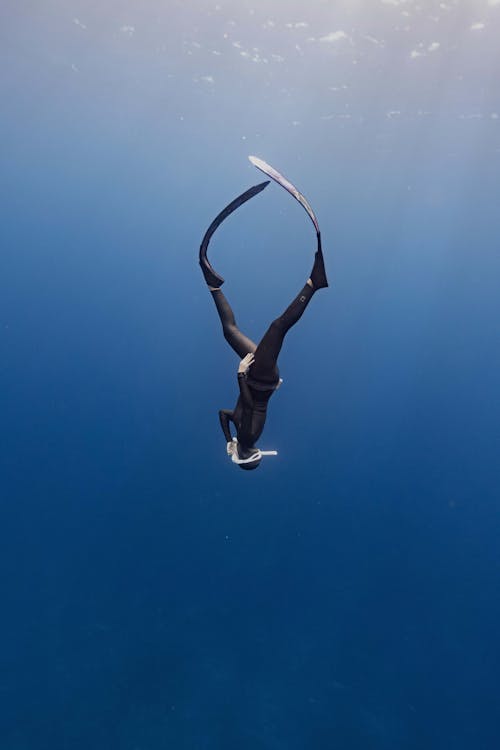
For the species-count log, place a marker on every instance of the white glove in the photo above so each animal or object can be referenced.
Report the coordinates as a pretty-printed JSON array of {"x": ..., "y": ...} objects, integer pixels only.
[{"x": 245, "y": 363}]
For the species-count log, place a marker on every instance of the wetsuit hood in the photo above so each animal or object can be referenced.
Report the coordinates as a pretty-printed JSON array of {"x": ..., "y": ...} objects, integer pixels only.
[{"x": 253, "y": 460}]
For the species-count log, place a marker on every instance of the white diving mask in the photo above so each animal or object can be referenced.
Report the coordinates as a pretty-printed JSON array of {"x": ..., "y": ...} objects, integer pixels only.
[{"x": 232, "y": 450}]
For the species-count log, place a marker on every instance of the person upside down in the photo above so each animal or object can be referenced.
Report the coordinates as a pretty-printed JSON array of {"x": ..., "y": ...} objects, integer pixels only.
[{"x": 258, "y": 373}]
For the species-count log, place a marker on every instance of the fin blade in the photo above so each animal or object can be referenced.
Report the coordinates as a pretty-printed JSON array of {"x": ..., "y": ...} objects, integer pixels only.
[
  {"x": 228, "y": 210},
  {"x": 287, "y": 185}
]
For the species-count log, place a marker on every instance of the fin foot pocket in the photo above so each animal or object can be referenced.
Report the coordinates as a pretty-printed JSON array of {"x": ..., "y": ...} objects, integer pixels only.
[
  {"x": 318, "y": 273},
  {"x": 212, "y": 278}
]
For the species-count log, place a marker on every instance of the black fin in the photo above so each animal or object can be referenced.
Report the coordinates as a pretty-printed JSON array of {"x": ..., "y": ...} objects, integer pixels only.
[
  {"x": 211, "y": 276},
  {"x": 318, "y": 273}
]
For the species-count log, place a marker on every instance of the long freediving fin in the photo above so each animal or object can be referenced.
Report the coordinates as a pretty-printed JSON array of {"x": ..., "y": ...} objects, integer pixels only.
[
  {"x": 211, "y": 276},
  {"x": 277, "y": 177}
]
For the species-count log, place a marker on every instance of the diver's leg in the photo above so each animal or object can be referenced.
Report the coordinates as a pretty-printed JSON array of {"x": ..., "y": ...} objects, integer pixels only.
[
  {"x": 264, "y": 367},
  {"x": 266, "y": 355},
  {"x": 241, "y": 344}
]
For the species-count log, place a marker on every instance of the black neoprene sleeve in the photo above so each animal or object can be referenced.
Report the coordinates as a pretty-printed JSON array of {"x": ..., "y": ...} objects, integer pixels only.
[{"x": 225, "y": 416}]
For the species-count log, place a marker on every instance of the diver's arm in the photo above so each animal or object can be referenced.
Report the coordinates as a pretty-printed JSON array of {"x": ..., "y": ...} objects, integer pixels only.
[{"x": 226, "y": 416}]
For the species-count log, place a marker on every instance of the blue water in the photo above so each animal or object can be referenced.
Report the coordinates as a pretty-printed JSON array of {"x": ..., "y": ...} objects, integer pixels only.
[{"x": 345, "y": 595}]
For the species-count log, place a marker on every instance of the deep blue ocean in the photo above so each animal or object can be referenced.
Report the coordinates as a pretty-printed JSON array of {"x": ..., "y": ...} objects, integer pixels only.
[{"x": 347, "y": 594}]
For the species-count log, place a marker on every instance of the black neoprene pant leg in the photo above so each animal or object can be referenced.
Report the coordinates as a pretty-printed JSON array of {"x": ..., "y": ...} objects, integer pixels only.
[
  {"x": 266, "y": 353},
  {"x": 264, "y": 367},
  {"x": 237, "y": 340}
]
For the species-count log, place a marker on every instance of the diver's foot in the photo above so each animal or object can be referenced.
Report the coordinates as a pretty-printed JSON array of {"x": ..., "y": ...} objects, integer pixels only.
[
  {"x": 214, "y": 281},
  {"x": 318, "y": 274}
]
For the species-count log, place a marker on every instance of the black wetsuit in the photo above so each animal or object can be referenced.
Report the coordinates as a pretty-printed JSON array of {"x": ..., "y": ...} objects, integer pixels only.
[
  {"x": 262, "y": 379},
  {"x": 257, "y": 387}
]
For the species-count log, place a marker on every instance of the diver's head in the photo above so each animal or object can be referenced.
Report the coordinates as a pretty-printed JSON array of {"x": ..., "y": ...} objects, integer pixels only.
[
  {"x": 246, "y": 458},
  {"x": 251, "y": 463}
]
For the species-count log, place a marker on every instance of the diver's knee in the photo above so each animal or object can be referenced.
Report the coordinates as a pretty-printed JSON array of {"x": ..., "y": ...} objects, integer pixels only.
[{"x": 277, "y": 325}]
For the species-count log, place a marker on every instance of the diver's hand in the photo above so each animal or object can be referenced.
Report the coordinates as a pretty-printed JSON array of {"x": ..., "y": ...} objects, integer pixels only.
[
  {"x": 231, "y": 447},
  {"x": 245, "y": 363}
]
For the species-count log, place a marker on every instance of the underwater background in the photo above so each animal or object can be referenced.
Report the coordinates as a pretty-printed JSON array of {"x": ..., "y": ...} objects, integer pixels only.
[{"x": 346, "y": 594}]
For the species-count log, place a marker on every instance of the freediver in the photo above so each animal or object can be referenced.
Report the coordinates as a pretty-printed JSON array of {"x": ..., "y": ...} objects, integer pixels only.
[{"x": 258, "y": 374}]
